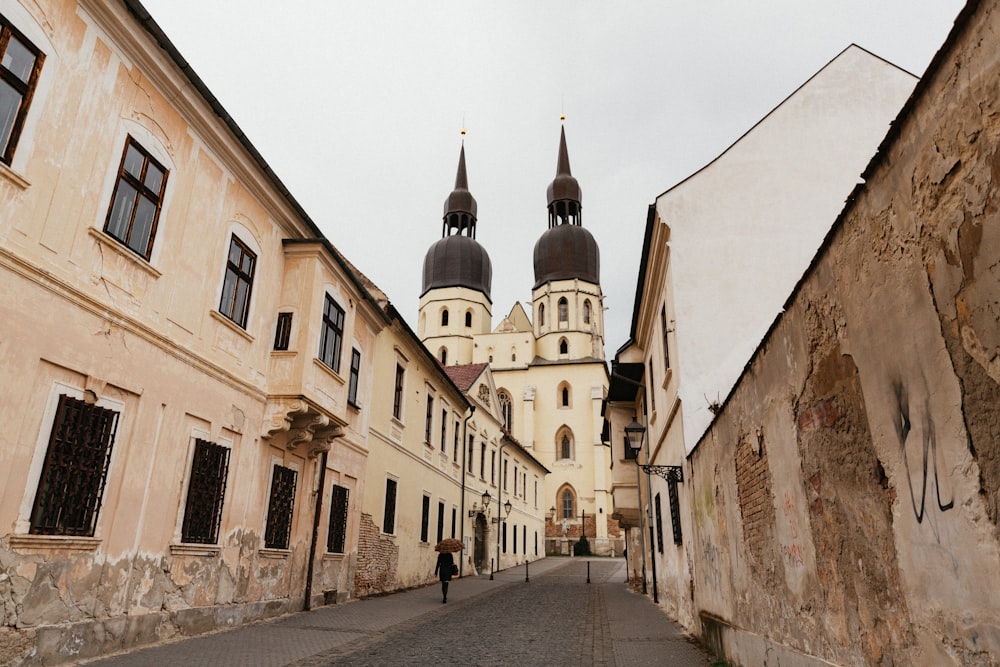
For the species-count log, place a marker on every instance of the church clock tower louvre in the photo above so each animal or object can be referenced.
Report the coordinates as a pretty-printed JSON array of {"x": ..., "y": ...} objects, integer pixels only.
[{"x": 455, "y": 300}]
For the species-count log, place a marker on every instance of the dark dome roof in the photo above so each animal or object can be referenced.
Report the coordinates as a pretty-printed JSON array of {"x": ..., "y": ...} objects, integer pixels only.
[
  {"x": 565, "y": 252},
  {"x": 457, "y": 261}
]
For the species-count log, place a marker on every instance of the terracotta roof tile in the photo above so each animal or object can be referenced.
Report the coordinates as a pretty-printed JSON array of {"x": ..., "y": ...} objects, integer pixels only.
[{"x": 464, "y": 375}]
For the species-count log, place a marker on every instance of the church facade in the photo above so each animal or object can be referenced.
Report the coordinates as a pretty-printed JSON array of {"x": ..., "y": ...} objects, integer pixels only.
[{"x": 547, "y": 361}]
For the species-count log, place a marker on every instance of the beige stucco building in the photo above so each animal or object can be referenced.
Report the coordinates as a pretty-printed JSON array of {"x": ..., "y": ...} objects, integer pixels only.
[
  {"x": 548, "y": 368},
  {"x": 836, "y": 503}
]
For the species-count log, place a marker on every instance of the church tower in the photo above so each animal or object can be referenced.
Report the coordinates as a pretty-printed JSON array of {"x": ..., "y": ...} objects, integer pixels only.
[
  {"x": 567, "y": 298},
  {"x": 455, "y": 300}
]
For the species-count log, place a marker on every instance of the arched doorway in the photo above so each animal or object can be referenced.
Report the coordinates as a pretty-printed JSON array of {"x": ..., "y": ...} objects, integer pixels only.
[{"x": 479, "y": 553}]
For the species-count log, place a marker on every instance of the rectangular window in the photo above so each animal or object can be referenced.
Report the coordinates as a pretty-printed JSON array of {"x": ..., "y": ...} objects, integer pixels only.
[
  {"x": 524, "y": 540},
  {"x": 675, "y": 511},
  {"x": 283, "y": 331},
  {"x": 137, "y": 199},
  {"x": 389, "y": 517},
  {"x": 397, "y": 394},
  {"x": 206, "y": 492},
  {"x": 455, "y": 438},
  {"x": 71, "y": 485},
  {"x": 20, "y": 65},
  {"x": 352, "y": 387},
  {"x": 280, "y": 507},
  {"x": 471, "y": 453},
  {"x": 517, "y": 475},
  {"x": 666, "y": 332},
  {"x": 337, "y": 533},
  {"x": 332, "y": 334},
  {"x": 444, "y": 430},
  {"x": 515, "y": 538},
  {"x": 504, "y": 537},
  {"x": 659, "y": 524},
  {"x": 505, "y": 462},
  {"x": 236, "y": 289},
  {"x": 429, "y": 420},
  {"x": 440, "y": 531},
  {"x": 493, "y": 467},
  {"x": 425, "y": 517},
  {"x": 652, "y": 386},
  {"x": 482, "y": 460},
  {"x": 454, "y": 518}
]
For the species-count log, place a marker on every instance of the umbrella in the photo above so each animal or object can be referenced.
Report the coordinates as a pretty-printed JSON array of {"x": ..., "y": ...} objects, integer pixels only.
[{"x": 448, "y": 545}]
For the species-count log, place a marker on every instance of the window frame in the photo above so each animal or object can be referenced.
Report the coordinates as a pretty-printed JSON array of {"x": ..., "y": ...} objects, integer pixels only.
[
  {"x": 354, "y": 379},
  {"x": 26, "y": 89},
  {"x": 397, "y": 392},
  {"x": 425, "y": 518},
  {"x": 50, "y": 518},
  {"x": 563, "y": 306},
  {"x": 283, "y": 331},
  {"x": 331, "y": 350},
  {"x": 239, "y": 277},
  {"x": 389, "y": 511},
  {"x": 429, "y": 419},
  {"x": 207, "y": 458},
  {"x": 137, "y": 183},
  {"x": 340, "y": 504}
]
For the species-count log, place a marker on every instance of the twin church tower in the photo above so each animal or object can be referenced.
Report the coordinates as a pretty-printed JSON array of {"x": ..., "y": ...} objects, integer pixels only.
[{"x": 547, "y": 362}]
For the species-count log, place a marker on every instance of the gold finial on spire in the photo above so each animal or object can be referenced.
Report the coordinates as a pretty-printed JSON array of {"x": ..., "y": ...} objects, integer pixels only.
[
  {"x": 463, "y": 131},
  {"x": 562, "y": 117}
]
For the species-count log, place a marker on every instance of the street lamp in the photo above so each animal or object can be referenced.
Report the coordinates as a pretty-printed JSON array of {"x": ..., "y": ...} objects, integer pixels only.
[
  {"x": 634, "y": 433},
  {"x": 507, "y": 509},
  {"x": 486, "y": 500}
]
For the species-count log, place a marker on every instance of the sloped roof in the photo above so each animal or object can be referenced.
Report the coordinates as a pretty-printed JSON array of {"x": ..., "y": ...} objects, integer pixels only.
[{"x": 464, "y": 375}]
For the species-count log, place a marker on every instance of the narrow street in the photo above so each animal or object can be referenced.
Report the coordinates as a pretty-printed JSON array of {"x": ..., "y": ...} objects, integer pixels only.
[{"x": 556, "y": 618}]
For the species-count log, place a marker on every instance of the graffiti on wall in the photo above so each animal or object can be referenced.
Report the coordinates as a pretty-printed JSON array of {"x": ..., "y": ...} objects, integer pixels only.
[{"x": 918, "y": 445}]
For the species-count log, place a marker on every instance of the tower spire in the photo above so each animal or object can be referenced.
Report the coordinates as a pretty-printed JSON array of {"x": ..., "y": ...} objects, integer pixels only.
[
  {"x": 564, "y": 194},
  {"x": 460, "y": 206}
]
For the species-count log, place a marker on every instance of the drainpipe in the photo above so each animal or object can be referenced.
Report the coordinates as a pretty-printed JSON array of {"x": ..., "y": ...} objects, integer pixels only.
[
  {"x": 315, "y": 531},
  {"x": 465, "y": 427}
]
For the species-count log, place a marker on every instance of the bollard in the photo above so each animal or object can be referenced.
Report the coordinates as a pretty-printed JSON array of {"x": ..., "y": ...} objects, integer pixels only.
[
  {"x": 588, "y": 571},
  {"x": 526, "y": 580}
]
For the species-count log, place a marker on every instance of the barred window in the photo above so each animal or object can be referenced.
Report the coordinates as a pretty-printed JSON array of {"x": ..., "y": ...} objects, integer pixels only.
[
  {"x": 352, "y": 387},
  {"x": 280, "y": 506},
  {"x": 71, "y": 485},
  {"x": 238, "y": 285},
  {"x": 206, "y": 493},
  {"x": 137, "y": 199},
  {"x": 283, "y": 331},
  {"x": 389, "y": 518},
  {"x": 20, "y": 66},
  {"x": 337, "y": 533},
  {"x": 332, "y": 335}
]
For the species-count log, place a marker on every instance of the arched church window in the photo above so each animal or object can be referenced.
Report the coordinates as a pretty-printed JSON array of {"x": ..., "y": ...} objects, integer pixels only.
[
  {"x": 586, "y": 311},
  {"x": 566, "y": 502},
  {"x": 541, "y": 314},
  {"x": 443, "y": 356},
  {"x": 444, "y": 317},
  {"x": 563, "y": 396},
  {"x": 565, "y": 444},
  {"x": 468, "y": 318},
  {"x": 563, "y": 310},
  {"x": 506, "y": 409},
  {"x": 563, "y": 346}
]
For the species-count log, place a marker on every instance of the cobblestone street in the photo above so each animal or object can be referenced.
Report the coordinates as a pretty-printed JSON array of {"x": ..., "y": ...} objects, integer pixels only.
[{"x": 555, "y": 619}]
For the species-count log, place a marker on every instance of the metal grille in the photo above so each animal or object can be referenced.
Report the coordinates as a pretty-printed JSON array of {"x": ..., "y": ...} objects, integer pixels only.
[
  {"x": 338, "y": 520},
  {"x": 279, "y": 512},
  {"x": 206, "y": 492},
  {"x": 76, "y": 466},
  {"x": 675, "y": 510}
]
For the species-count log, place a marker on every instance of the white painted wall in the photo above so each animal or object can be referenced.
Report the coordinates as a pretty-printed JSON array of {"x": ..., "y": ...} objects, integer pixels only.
[{"x": 744, "y": 228}]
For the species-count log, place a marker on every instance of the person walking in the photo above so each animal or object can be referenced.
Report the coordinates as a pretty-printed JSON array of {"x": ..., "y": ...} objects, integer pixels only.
[{"x": 445, "y": 570}]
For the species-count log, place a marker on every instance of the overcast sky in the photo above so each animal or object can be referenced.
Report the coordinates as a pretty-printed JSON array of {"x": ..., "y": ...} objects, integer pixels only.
[{"x": 358, "y": 107}]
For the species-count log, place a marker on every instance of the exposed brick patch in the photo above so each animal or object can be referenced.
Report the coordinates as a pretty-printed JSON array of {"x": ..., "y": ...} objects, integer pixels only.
[
  {"x": 378, "y": 560},
  {"x": 753, "y": 483}
]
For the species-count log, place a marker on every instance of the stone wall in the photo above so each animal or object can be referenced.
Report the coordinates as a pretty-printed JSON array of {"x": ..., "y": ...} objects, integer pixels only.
[{"x": 845, "y": 500}]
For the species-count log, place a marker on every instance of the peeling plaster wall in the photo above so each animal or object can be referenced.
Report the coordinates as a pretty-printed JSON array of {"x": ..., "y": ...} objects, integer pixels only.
[{"x": 845, "y": 501}]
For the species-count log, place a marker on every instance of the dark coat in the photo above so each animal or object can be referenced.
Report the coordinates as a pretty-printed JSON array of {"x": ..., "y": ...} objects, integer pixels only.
[{"x": 445, "y": 567}]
